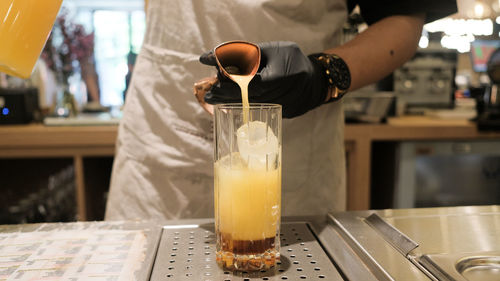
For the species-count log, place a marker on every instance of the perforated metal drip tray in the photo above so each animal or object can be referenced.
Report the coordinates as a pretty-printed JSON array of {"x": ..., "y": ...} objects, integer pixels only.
[{"x": 187, "y": 252}]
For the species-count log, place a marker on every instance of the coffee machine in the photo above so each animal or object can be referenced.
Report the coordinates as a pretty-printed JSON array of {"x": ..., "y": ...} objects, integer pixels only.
[{"x": 426, "y": 81}]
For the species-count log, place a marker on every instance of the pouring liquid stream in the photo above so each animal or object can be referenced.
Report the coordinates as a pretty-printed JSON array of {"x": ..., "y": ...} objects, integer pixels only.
[{"x": 243, "y": 81}]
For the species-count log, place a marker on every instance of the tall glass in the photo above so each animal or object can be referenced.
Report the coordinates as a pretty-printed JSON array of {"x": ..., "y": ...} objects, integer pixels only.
[
  {"x": 24, "y": 28},
  {"x": 247, "y": 186}
]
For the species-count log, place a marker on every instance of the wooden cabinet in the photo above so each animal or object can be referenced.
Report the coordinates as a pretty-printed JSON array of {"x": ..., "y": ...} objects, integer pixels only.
[{"x": 90, "y": 149}]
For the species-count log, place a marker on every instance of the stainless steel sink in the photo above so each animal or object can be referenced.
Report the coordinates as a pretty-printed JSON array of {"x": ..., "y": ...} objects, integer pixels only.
[
  {"x": 480, "y": 268},
  {"x": 483, "y": 266}
]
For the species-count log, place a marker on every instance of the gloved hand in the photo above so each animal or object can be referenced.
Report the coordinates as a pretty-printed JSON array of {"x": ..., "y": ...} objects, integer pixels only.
[{"x": 285, "y": 76}]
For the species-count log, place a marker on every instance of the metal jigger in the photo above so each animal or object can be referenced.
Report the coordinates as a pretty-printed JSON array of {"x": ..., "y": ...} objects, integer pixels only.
[{"x": 237, "y": 58}]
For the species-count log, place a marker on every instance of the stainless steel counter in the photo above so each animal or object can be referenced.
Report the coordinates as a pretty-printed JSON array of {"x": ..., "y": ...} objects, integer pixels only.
[
  {"x": 447, "y": 238},
  {"x": 460, "y": 243}
]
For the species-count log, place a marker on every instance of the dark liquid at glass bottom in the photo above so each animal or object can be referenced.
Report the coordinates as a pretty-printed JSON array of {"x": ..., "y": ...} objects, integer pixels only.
[{"x": 246, "y": 255}]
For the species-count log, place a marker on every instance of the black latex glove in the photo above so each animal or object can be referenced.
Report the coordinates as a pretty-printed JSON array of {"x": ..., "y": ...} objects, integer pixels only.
[{"x": 285, "y": 76}]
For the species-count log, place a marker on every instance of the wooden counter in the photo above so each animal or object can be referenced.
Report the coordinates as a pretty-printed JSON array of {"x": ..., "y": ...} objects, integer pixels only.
[{"x": 32, "y": 141}]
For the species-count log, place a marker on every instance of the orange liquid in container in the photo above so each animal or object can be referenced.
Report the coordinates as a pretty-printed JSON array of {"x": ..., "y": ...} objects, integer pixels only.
[
  {"x": 247, "y": 202},
  {"x": 24, "y": 28},
  {"x": 248, "y": 209}
]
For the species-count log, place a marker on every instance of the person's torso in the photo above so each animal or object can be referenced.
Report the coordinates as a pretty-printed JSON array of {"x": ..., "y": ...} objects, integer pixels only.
[
  {"x": 164, "y": 125},
  {"x": 195, "y": 26}
]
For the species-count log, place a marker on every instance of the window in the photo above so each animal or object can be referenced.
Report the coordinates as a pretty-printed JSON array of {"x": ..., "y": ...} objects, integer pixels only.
[{"x": 119, "y": 28}]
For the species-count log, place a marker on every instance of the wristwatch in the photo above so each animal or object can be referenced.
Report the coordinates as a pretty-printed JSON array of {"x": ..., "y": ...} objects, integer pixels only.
[{"x": 337, "y": 75}]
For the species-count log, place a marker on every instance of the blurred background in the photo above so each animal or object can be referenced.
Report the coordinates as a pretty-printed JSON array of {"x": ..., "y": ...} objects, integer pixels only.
[
  {"x": 98, "y": 41},
  {"x": 426, "y": 135}
]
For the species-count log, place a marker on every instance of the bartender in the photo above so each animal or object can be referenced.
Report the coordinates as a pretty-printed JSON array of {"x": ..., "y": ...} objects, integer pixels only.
[{"x": 163, "y": 167}]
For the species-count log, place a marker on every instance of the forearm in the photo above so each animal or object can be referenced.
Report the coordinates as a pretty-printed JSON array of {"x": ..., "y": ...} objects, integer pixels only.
[{"x": 381, "y": 48}]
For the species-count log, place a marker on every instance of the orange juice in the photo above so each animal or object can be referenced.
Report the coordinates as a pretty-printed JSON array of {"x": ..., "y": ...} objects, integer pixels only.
[
  {"x": 248, "y": 202},
  {"x": 24, "y": 29},
  {"x": 247, "y": 212}
]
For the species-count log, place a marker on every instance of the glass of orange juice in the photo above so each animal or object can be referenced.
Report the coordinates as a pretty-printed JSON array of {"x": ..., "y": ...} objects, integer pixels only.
[
  {"x": 24, "y": 28},
  {"x": 247, "y": 185}
]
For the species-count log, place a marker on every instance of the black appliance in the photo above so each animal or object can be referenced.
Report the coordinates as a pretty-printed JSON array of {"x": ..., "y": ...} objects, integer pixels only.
[
  {"x": 18, "y": 106},
  {"x": 426, "y": 81}
]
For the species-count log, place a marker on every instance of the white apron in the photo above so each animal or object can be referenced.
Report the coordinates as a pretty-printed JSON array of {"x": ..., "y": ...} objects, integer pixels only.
[{"x": 163, "y": 167}]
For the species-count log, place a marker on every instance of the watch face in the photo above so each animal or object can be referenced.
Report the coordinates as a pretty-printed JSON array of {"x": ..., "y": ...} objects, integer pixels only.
[{"x": 341, "y": 74}]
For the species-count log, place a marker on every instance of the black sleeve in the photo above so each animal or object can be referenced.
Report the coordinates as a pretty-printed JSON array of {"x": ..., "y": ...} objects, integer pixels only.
[{"x": 374, "y": 10}]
